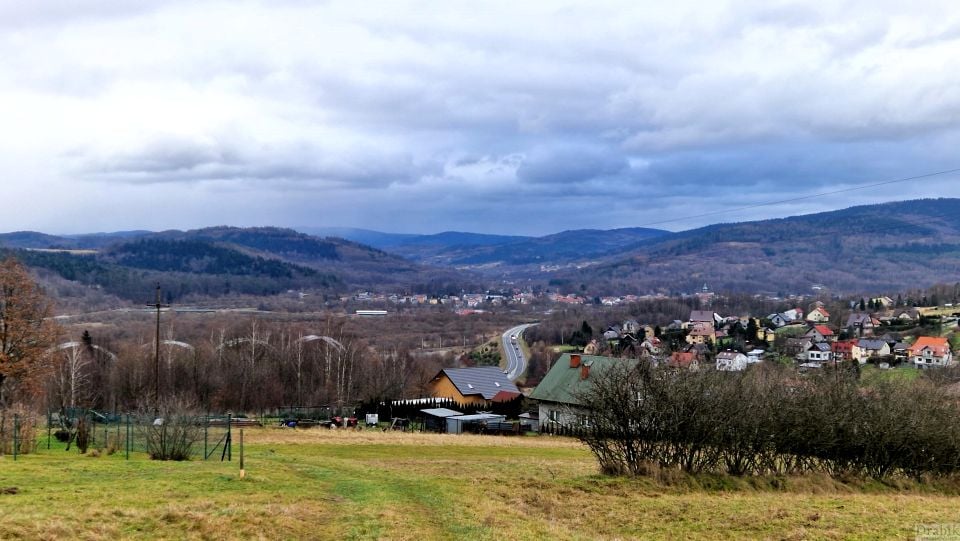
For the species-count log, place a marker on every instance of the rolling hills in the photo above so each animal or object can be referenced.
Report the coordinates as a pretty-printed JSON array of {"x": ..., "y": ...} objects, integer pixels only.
[
  {"x": 219, "y": 261},
  {"x": 871, "y": 248},
  {"x": 504, "y": 254}
]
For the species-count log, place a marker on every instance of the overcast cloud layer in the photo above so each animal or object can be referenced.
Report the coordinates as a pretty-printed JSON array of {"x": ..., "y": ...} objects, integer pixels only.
[{"x": 501, "y": 117}]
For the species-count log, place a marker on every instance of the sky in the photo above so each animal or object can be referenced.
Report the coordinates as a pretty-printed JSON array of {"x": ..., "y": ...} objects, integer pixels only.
[{"x": 495, "y": 117}]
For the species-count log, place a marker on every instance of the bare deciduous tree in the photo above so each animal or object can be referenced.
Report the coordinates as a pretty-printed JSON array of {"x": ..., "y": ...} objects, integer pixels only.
[{"x": 26, "y": 332}]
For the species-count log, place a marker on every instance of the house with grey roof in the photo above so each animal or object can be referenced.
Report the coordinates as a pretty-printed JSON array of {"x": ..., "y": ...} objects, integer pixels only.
[
  {"x": 731, "y": 361},
  {"x": 819, "y": 352},
  {"x": 872, "y": 348},
  {"x": 860, "y": 324},
  {"x": 480, "y": 386},
  {"x": 703, "y": 316}
]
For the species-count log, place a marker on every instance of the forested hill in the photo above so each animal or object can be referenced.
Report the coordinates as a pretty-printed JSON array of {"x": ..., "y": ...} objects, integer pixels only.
[
  {"x": 278, "y": 242},
  {"x": 224, "y": 260},
  {"x": 887, "y": 247},
  {"x": 504, "y": 253},
  {"x": 559, "y": 249}
]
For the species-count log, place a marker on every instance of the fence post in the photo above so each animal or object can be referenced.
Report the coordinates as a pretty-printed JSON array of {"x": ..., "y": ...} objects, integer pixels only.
[
  {"x": 243, "y": 472},
  {"x": 229, "y": 441},
  {"x": 206, "y": 424},
  {"x": 128, "y": 436},
  {"x": 49, "y": 431},
  {"x": 16, "y": 435}
]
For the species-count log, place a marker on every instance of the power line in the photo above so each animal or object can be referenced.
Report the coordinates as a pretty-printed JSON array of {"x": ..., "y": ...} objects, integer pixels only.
[{"x": 803, "y": 197}]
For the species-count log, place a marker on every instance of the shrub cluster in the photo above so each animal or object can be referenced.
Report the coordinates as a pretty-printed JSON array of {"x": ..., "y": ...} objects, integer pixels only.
[
  {"x": 769, "y": 420},
  {"x": 174, "y": 432}
]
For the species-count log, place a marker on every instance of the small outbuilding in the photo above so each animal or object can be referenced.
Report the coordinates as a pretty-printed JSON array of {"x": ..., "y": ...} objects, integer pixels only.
[
  {"x": 435, "y": 419},
  {"x": 458, "y": 424}
]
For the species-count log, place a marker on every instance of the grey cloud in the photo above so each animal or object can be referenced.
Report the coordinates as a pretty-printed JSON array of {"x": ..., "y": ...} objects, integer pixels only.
[
  {"x": 608, "y": 105},
  {"x": 570, "y": 165},
  {"x": 177, "y": 160}
]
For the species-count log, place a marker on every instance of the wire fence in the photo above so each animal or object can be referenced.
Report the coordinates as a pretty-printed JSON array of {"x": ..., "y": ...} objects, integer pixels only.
[{"x": 203, "y": 437}]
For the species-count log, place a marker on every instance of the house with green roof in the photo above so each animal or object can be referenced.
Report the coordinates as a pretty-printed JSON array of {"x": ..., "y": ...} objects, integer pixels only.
[{"x": 571, "y": 376}]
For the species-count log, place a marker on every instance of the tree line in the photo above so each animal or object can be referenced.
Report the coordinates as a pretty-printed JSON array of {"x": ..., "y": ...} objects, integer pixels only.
[{"x": 224, "y": 365}]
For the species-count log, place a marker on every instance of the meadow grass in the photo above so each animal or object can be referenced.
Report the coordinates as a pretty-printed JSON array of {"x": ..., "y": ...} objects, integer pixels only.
[
  {"x": 870, "y": 374},
  {"x": 322, "y": 484}
]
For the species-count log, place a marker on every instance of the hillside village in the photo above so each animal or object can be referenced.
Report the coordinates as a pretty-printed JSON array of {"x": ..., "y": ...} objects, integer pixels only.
[
  {"x": 883, "y": 335},
  {"x": 887, "y": 337}
]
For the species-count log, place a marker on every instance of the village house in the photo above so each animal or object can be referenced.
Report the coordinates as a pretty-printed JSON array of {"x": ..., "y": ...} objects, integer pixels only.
[
  {"x": 818, "y": 315},
  {"x": 630, "y": 326},
  {"x": 559, "y": 393},
  {"x": 845, "y": 350},
  {"x": 767, "y": 335},
  {"x": 819, "y": 352},
  {"x": 652, "y": 346},
  {"x": 731, "y": 361},
  {"x": 479, "y": 386},
  {"x": 684, "y": 360},
  {"x": 778, "y": 320},
  {"x": 901, "y": 351},
  {"x": 907, "y": 315},
  {"x": 820, "y": 333},
  {"x": 860, "y": 324},
  {"x": 883, "y": 302},
  {"x": 928, "y": 352},
  {"x": 701, "y": 333},
  {"x": 872, "y": 348},
  {"x": 702, "y": 318},
  {"x": 797, "y": 347}
]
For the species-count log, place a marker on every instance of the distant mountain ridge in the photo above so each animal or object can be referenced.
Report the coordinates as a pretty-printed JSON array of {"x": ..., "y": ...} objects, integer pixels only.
[
  {"x": 223, "y": 260},
  {"x": 884, "y": 247},
  {"x": 505, "y": 253}
]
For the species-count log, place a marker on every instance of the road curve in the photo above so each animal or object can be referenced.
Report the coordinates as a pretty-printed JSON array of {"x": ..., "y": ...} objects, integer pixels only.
[{"x": 516, "y": 363}]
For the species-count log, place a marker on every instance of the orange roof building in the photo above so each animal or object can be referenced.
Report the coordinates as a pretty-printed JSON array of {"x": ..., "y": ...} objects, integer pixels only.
[{"x": 930, "y": 351}]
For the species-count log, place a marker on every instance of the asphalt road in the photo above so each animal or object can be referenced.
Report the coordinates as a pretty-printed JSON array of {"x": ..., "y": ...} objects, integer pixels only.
[{"x": 516, "y": 363}]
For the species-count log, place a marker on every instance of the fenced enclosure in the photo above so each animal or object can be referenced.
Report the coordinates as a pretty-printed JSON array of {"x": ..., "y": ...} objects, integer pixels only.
[{"x": 168, "y": 436}]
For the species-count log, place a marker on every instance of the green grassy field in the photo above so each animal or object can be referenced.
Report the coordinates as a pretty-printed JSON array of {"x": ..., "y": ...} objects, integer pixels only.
[{"x": 320, "y": 484}]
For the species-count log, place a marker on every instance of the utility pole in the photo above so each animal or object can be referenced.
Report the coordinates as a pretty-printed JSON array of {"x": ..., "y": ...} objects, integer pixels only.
[{"x": 156, "y": 359}]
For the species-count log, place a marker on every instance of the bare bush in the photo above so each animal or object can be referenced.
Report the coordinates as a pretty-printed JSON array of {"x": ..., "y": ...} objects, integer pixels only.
[
  {"x": 173, "y": 432},
  {"x": 769, "y": 421},
  {"x": 17, "y": 425}
]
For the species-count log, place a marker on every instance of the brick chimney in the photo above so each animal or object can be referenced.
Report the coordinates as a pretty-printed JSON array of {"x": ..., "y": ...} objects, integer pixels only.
[
  {"x": 585, "y": 370},
  {"x": 574, "y": 360}
]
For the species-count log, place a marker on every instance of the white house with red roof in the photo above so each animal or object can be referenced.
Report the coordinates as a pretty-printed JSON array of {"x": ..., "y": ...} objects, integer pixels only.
[
  {"x": 818, "y": 315},
  {"x": 929, "y": 351},
  {"x": 820, "y": 333}
]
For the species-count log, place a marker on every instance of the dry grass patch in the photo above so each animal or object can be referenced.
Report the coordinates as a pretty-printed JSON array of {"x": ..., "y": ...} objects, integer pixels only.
[{"x": 339, "y": 436}]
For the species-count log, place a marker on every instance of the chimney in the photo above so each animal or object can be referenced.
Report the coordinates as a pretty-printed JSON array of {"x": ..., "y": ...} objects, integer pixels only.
[
  {"x": 574, "y": 360},
  {"x": 585, "y": 370}
]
